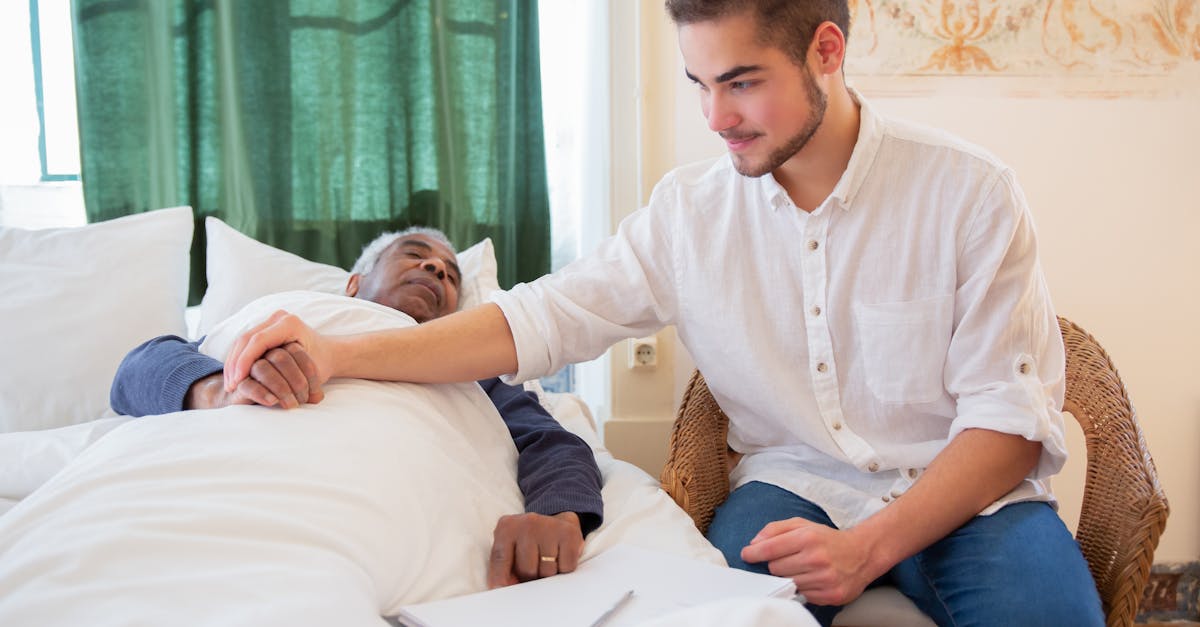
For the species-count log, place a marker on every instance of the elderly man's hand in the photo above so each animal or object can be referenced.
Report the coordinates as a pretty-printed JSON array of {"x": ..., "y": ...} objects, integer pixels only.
[
  {"x": 284, "y": 376},
  {"x": 532, "y": 546}
]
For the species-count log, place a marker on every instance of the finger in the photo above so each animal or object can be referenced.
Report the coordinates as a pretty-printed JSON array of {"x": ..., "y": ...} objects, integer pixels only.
[
  {"x": 548, "y": 567},
  {"x": 500, "y": 562},
  {"x": 777, "y": 527},
  {"x": 526, "y": 558},
  {"x": 285, "y": 362},
  {"x": 795, "y": 565},
  {"x": 251, "y": 391},
  {"x": 254, "y": 343},
  {"x": 825, "y": 594},
  {"x": 768, "y": 549},
  {"x": 265, "y": 373},
  {"x": 568, "y": 554},
  {"x": 232, "y": 378},
  {"x": 809, "y": 581},
  {"x": 309, "y": 369}
]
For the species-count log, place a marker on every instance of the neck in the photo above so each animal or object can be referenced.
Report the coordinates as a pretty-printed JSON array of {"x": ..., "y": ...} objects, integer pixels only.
[{"x": 811, "y": 174}]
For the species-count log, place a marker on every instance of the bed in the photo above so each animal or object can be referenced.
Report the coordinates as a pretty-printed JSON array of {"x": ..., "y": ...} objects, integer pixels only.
[{"x": 337, "y": 513}]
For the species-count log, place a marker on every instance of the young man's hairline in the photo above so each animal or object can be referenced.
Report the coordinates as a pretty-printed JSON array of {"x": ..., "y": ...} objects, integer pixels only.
[{"x": 763, "y": 32}]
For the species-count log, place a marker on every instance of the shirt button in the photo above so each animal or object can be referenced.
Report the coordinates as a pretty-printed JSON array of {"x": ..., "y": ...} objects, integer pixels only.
[
  {"x": 1023, "y": 368},
  {"x": 873, "y": 467},
  {"x": 816, "y": 311},
  {"x": 813, "y": 244},
  {"x": 821, "y": 367},
  {"x": 886, "y": 499},
  {"x": 896, "y": 494},
  {"x": 912, "y": 473},
  {"x": 837, "y": 426}
]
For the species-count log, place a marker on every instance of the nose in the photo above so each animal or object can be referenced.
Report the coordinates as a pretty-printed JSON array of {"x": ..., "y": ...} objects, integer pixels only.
[
  {"x": 720, "y": 112},
  {"x": 435, "y": 266}
]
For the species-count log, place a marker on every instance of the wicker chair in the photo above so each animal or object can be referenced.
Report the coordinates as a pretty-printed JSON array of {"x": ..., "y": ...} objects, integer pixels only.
[{"x": 1124, "y": 508}]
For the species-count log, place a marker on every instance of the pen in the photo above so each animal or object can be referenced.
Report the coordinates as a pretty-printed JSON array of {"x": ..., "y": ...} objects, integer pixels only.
[{"x": 613, "y": 610}]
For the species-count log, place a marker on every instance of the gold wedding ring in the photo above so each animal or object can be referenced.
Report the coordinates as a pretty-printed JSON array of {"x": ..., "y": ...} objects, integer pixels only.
[{"x": 548, "y": 558}]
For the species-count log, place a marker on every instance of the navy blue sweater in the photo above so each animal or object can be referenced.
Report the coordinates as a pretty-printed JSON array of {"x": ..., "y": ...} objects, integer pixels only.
[{"x": 556, "y": 469}]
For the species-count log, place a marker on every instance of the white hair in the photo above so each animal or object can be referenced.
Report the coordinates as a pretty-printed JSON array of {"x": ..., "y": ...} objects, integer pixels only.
[{"x": 371, "y": 252}]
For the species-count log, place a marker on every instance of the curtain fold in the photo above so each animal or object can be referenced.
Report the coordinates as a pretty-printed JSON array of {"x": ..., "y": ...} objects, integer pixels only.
[{"x": 313, "y": 125}]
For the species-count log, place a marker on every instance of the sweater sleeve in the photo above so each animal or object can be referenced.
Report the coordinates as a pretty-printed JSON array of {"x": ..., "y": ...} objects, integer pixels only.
[
  {"x": 556, "y": 469},
  {"x": 155, "y": 377}
]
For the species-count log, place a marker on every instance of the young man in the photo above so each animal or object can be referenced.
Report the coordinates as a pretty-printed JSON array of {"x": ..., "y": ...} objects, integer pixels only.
[
  {"x": 864, "y": 299},
  {"x": 413, "y": 271}
]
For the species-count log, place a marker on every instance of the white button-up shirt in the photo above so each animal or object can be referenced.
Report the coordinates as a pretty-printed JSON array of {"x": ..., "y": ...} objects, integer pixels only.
[{"x": 847, "y": 345}]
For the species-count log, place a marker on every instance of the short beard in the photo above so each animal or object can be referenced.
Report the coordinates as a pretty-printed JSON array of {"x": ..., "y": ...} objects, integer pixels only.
[{"x": 818, "y": 101}]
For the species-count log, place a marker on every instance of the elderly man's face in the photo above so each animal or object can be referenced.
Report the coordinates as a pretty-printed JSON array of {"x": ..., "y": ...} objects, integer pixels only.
[{"x": 417, "y": 275}]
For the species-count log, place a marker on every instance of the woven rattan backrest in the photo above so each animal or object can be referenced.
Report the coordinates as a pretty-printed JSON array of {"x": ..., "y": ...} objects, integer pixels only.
[
  {"x": 1124, "y": 508},
  {"x": 695, "y": 474}
]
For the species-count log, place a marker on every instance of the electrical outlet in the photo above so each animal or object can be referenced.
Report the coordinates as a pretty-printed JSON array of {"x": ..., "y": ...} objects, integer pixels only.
[{"x": 643, "y": 352}]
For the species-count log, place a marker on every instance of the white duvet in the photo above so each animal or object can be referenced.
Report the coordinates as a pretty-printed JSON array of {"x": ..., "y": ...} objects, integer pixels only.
[{"x": 331, "y": 514}]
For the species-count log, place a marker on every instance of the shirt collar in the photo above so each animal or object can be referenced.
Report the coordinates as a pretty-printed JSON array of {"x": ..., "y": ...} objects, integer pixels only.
[{"x": 866, "y": 147}]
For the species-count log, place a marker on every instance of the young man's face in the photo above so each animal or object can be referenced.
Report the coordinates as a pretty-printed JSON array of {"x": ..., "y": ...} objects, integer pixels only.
[
  {"x": 764, "y": 105},
  {"x": 417, "y": 275}
]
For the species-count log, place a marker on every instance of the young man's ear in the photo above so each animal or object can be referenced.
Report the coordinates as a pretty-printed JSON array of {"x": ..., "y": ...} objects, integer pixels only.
[
  {"x": 829, "y": 48},
  {"x": 352, "y": 285}
]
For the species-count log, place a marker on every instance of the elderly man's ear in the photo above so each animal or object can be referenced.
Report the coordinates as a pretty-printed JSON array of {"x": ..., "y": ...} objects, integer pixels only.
[{"x": 352, "y": 285}]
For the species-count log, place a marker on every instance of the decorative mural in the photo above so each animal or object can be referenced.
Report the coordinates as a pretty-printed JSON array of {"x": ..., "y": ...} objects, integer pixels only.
[{"x": 1023, "y": 38}]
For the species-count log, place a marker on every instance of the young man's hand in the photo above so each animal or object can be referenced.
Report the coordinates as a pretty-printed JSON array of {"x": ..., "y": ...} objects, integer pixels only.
[
  {"x": 284, "y": 376},
  {"x": 829, "y": 566},
  {"x": 531, "y": 546},
  {"x": 278, "y": 331}
]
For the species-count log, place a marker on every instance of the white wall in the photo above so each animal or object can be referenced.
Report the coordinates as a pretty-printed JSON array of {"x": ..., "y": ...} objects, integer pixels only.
[{"x": 1115, "y": 189}]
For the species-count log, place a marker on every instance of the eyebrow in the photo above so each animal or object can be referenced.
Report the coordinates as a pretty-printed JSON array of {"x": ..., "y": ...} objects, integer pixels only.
[
  {"x": 419, "y": 244},
  {"x": 728, "y": 75}
]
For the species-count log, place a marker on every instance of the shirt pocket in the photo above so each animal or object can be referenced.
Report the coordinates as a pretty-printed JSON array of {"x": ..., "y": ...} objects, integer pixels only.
[{"x": 904, "y": 347}]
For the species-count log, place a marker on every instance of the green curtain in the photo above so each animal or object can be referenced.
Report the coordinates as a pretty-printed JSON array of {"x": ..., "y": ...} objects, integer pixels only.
[{"x": 312, "y": 125}]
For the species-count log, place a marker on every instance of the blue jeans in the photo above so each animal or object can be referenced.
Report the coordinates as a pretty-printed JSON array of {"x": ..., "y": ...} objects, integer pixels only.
[{"x": 1019, "y": 566}]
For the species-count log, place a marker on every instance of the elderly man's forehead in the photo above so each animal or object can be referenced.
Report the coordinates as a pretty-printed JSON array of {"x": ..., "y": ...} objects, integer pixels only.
[
  {"x": 418, "y": 240},
  {"x": 427, "y": 243}
]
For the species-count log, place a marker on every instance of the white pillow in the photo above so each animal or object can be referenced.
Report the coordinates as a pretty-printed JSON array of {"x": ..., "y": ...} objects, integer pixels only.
[
  {"x": 478, "y": 266},
  {"x": 74, "y": 301},
  {"x": 241, "y": 269}
]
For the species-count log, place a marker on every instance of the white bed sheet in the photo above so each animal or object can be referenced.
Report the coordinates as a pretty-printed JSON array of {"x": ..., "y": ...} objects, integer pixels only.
[{"x": 637, "y": 511}]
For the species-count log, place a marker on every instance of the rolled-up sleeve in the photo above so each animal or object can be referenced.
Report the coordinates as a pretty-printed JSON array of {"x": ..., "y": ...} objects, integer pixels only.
[
  {"x": 1006, "y": 364},
  {"x": 625, "y": 289}
]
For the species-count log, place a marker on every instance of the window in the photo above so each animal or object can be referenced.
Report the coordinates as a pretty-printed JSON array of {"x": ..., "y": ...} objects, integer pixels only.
[
  {"x": 54, "y": 88},
  {"x": 39, "y": 158},
  {"x": 577, "y": 106}
]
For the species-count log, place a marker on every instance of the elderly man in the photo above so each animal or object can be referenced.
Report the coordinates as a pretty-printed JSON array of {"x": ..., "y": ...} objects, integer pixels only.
[{"x": 412, "y": 271}]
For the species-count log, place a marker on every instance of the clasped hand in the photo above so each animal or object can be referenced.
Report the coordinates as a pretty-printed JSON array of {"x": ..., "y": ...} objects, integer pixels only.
[
  {"x": 281, "y": 330},
  {"x": 285, "y": 376}
]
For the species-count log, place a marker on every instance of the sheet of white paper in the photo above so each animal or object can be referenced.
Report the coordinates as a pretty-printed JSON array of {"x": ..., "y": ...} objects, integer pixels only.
[{"x": 661, "y": 582}]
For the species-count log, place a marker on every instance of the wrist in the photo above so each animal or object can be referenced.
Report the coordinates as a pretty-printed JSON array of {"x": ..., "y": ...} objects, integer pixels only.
[
  {"x": 337, "y": 351},
  {"x": 205, "y": 392},
  {"x": 570, "y": 517},
  {"x": 877, "y": 553}
]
